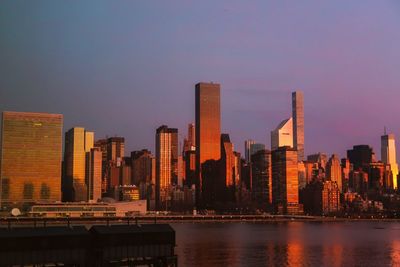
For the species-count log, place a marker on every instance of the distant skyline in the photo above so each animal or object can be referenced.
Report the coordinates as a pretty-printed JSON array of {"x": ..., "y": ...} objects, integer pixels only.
[{"x": 127, "y": 67}]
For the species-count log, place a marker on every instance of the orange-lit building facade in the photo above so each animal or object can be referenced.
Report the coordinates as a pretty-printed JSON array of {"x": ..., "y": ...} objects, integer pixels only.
[
  {"x": 208, "y": 128},
  {"x": 298, "y": 123},
  {"x": 190, "y": 141},
  {"x": 262, "y": 178},
  {"x": 321, "y": 198},
  {"x": 93, "y": 174},
  {"x": 228, "y": 160},
  {"x": 143, "y": 167},
  {"x": 285, "y": 183},
  {"x": 115, "y": 148},
  {"x": 330, "y": 197},
  {"x": 78, "y": 142},
  {"x": 166, "y": 162},
  {"x": 334, "y": 171},
  {"x": 31, "y": 153}
]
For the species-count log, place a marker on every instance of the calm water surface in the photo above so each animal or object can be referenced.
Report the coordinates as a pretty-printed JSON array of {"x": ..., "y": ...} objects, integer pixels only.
[{"x": 288, "y": 244}]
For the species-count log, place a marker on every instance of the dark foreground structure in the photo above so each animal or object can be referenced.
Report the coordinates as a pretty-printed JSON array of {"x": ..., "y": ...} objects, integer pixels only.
[{"x": 116, "y": 245}]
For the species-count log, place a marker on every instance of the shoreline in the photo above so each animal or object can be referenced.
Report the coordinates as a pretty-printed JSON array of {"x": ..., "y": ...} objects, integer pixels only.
[{"x": 23, "y": 221}]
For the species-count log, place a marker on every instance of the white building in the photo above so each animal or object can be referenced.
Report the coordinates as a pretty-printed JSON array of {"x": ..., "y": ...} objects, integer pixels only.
[{"x": 282, "y": 135}]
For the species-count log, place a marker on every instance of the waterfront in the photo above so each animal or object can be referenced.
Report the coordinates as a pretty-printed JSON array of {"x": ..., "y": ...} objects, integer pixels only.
[{"x": 288, "y": 244}]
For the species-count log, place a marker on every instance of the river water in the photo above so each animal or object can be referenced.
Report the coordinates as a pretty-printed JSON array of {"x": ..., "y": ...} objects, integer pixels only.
[{"x": 288, "y": 244}]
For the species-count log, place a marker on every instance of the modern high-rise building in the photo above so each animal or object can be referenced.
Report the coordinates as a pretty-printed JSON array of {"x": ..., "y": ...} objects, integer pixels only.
[
  {"x": 208, "y": 128},
  {"x": 379, "y": 177},
  {"x": 282, "y": 135},
  {"x": 115, "y": 149},
  {"x": 298, "y": 123},
  {"x": 190, "y": 140},
  {"x": 285, "y": 182},
  {"x": 237, "y": 170},
  {"x": 228, "y": 160},
  {"x": 190, "y": 168},
  {"x": 319, "y": 158},
  {"x": 360, "y": 156},
  {"x": 334, "y": 171},
  {"x": 126, "y": 171},
  {"x": 166, "y": 162},
  {"x": 388, "y": 155},
  {"x": 93, "y": 174},
  {"x": 30, "y": 154},
  {"x": 101, "y": 144},
  {"x": 254, "y": 148},
  {"x": 346, "y": 169},
  {"x": 302, "y": 171},
  {"x": 262, "y": 178},
  {"x": 247, "y": 145},
  {"x": 78, "y": 142},
  {"x": 143, "y": 167}
]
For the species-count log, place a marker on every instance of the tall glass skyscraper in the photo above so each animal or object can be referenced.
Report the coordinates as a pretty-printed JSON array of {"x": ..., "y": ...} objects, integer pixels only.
[
  {"x": 247, "y": 145},
  {"x": 78, "y": 142},
  {"x": 285, "y": 181},
  {"x": 388, "y": 155},
  {"x": 298, "y": 123},
  {"x": 31, "y": 148},
  {"x": 208, "y": 128},
  {"x": 166, "y": 162}
]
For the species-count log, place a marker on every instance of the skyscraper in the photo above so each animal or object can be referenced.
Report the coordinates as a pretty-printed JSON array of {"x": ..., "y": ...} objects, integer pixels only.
[
  {"x": 190, "y": 168},
  {"x": 208, "y": 128},
  {"x": 190, "y": 140},
  {"x": 166, "y": 162},
  {"x": 334, "y": 171},
  {"x": 285, "y": 182},
  {"x": 31, "y": 151},
  {"x": 115, "y": 149},
  {"x": 262, "y": 178},
  {"x": 93, "y": 174},
  {"x": 143, "y": 163},
  {"x": 360, "y": 156},
  {"x": 282, "y": 135},
  {"x": 388, "y": 155},
  {"x": 247, "y": 145},
  {"x": 227, "y": 168},
  {"x": 78, "y": 142},
  {"x": 321, "y": 198},
  {"x": 254, "y": 148},
  {"x": 298, "y": 123}
]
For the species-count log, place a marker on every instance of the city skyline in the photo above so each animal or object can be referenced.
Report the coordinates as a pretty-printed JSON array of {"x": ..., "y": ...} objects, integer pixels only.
[
  {"x": 239, "y": 147},
  {"x": 209, "y": 133},
  {"x": 345, "y": 63}
]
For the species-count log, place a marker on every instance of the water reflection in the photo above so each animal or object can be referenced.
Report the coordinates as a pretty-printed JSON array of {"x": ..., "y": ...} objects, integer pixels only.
[
  {"x": 395, "y": 252},
  {"x": 287, "y": 244}
]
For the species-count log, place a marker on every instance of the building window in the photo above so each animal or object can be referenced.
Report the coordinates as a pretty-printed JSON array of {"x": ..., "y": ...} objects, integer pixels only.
[
  {"x": 28, "y": 191},
  {"x": 5, "y": 189},
  {"x": 44, "y": 191}
]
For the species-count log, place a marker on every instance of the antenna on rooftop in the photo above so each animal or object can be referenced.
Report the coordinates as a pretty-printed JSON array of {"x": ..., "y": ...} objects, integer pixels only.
[{"x": 384, "y": 130}]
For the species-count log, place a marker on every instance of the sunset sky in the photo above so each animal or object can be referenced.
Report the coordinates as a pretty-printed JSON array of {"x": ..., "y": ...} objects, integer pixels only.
[{"x": 126, "y": 67}]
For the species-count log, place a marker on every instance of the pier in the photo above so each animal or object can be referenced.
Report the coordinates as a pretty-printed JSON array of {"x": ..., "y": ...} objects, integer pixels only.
[{"x": 101, "y": 245}]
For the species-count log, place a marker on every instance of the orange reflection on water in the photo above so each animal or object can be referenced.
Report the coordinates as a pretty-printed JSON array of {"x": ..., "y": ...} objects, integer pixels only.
[
  {"x": 395, "y": 253},
  {"x": 295, "y": 246},
  {"x": 333, "y": 255},
  {"x": 295, "y": 253}
]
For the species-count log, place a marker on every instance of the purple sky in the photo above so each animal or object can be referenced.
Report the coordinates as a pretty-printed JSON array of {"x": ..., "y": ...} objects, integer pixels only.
[{"x": 126, "y": 67}]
